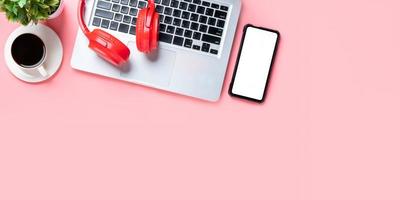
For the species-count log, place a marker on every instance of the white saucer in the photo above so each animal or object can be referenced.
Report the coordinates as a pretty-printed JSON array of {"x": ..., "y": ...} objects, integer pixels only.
[{"x": 54, "y": 52}]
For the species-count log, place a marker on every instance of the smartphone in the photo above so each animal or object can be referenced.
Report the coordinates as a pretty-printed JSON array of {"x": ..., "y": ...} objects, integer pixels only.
[{"x": 255, "y": 59}]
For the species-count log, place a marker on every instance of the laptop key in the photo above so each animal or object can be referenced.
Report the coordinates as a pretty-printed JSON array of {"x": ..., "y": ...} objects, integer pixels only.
[
  {"x": 211, "y": 21},
  {"x": 132, "y": 30},
  {"x": 183, "y": 6},
  {"x": 194, "y": 26},
  {"x": 194, "y": 17},
  {"x": 179, "y": 31},
  {"x": 133, "y": 3},
  {"x": 216, "y": 6},
  {"x": 142, "y": 4},
  {"x": 178, "y": 41},
  {"x": 196, "y": 47},
  {"x": 175, "y": 4},
  {"x": 213, "y": 51},
  {"x": 160, "y": 9},
  {"x": 104, "y": 5},
  {"x": 203, "y": 28},
  {"x": 163, "y": 27},
  {"x": 196, "y": 35},
  {"x": 192, "y": 8},
  {"x": 114, "y": 26},
  {"x": 134, "y": 20},
  {"x": 215, "y": 31},
  {"x": 188, "y": 43},
  {"x": 185, "y": 24},
  {"x": 203, "y": 19},
  {"x": 166, "y": 2},
  {"x": 168, "y": 20},
  {"x": 127, "y": 19},
  {"x": 133, "y": 11},
  {"x": 116, "y": 8},
  {"x": 188, "y": 33},
  {"x": 104, "y": 14},
  {"x": 197, "y": 1},
  {"x": 205, "y": 3},
  {"x": 164, "y": 37},
  {"x": 170, "y": 29},
  {"x": 220, "y": 14},
  {"x": 205, "y": 47},
  {"x": 123, "y": 28},
  {"x": 209, "y": 12},
  {"x": 118, "y": 17},
  {"x": 105, "y": 23},
  {"x": 185, "y": 15},
  {"x": 201, "y": 10},
  {"x": 225, "y": 8},
  {"x": 177, "y": 22},
  {"x": 124, "y": 10},
  {"x": 96, "y": 21},
  {"x": 177, "y": 13},
  {"x": 125, "y": 2},
  {"x": 168, "y": 11},
  {"x": 221, "y": 23},
  {"x": 211, "y": 39}
]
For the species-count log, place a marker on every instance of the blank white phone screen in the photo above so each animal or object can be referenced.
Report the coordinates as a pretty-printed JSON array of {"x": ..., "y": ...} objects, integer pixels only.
[{"x": 255, "y": 63}]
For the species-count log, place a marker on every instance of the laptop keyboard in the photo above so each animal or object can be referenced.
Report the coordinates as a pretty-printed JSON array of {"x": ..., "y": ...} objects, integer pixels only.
[{"x": 192, "y": 24}]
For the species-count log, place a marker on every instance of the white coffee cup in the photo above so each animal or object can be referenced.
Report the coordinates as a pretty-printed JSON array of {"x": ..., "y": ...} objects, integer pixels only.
[{"x": 29, "y": 53}]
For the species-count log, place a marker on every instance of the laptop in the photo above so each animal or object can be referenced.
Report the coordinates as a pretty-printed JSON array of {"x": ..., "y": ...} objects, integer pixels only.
[{"x": 196, "y": 38}]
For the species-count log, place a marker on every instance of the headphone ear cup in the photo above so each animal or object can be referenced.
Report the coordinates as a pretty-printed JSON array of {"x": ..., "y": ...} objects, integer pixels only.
[
  {"x": 142, "y": 33},
  {"x": 154, "y": 32},
  {"x": 108, "y": 47}
]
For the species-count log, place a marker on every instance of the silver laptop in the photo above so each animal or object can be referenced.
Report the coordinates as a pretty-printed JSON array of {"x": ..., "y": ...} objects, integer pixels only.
[{"x": 195, "y": 43}]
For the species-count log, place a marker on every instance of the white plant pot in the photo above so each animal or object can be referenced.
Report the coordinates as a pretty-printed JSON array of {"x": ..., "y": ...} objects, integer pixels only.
[{"x": 58, "y": 11}]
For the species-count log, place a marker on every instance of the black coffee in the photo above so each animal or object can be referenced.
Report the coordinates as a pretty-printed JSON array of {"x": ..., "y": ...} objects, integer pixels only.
[{"x": 28, "y": 50}]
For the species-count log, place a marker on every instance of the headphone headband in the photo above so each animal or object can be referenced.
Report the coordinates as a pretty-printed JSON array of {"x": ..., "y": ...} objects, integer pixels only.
[
  {"x": 85, "y": 29},
  {"x": 81, "y": 20}
]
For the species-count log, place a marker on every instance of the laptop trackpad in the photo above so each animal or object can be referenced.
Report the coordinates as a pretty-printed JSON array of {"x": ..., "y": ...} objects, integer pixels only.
[{"x": 153, "y": 69}]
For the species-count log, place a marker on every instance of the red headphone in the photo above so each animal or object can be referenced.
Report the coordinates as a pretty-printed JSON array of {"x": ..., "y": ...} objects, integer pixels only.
[{"x": 113, "y": 50}]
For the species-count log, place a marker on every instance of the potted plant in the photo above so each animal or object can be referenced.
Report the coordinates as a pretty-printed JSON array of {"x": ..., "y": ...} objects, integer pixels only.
[{"x": 27, "y": 11}]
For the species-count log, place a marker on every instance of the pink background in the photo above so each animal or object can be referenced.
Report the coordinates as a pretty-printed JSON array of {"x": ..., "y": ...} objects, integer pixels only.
[{"x": 328, "y": 130}]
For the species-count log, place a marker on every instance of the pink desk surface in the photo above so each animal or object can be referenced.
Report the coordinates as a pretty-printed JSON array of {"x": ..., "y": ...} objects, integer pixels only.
[{"x": 329, "y": 129}]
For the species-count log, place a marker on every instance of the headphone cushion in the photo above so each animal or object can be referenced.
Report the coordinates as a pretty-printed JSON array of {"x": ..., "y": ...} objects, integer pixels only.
[
  {"x": 154, "y": 32},
  {"x": 142, "y": 33},
  {"x": 139, "y": 30}
]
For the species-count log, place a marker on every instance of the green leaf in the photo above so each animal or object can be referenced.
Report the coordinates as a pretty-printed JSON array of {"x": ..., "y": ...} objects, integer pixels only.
[
  {"x": 22, "y": 3},
  {"x": 26, "y": 11}
]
